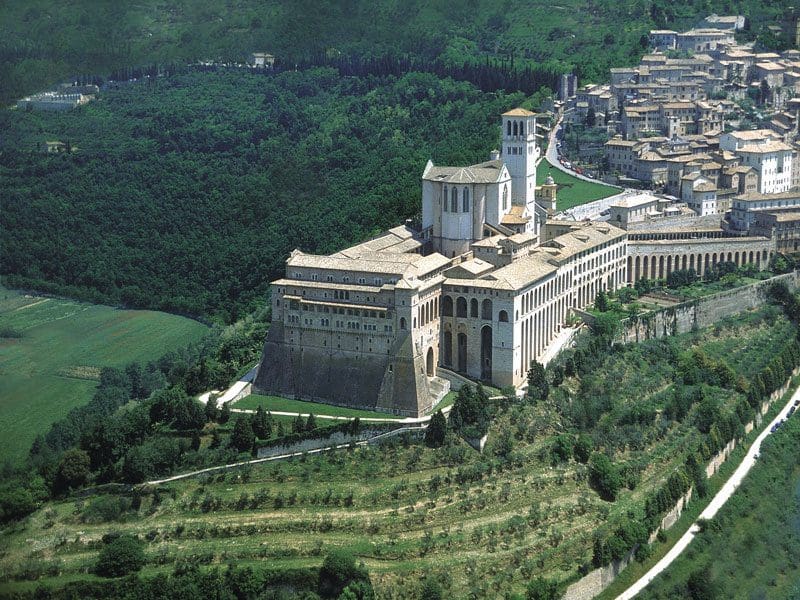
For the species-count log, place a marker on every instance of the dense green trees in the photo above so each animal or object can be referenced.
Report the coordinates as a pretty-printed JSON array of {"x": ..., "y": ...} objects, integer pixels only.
[
  {"x": 308, "y": 159},
  {"x": 120, "y": 556},
  {"x": 242, "y": 437},
  {"x": 471, "y": 412},
  {"x": 604, "y": 476},
  {"x": 436, "y": 432},
  {"x": 339, "y": 572},
  {"x": 538, "y": 388}
]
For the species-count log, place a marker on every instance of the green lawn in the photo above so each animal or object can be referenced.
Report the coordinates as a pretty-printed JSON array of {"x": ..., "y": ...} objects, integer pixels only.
[
  {"x": 279, "y": 404},
  {"x": 571, "y": 190},
  {"x": 54, "y": 366}
]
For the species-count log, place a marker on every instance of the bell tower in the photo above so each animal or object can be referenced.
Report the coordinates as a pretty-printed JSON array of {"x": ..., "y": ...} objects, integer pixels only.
[{"x": 520, "y": 154}]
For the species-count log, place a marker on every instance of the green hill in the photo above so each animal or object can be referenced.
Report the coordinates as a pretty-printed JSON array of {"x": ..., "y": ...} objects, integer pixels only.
[{"x": 43, "y": 42}]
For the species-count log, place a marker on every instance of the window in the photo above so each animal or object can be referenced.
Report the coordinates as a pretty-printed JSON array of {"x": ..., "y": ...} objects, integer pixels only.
[
  {"x": 473, "y": 308},
  {"x": 444, "y": 196},
  {"x": 486, "y": 310},
  {"x": 465, "y": 199},
  {"x": 447, "y": 306},
  {"x": 505, "y": 197},
  {"x": 402, "y": 323},
  {"x": 461, "y": 307},
  {"x": 454, "y": 200}
]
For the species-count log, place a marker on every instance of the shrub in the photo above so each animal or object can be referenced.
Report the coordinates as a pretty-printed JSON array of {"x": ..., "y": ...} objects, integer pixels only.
[
  {"x": 604, "y": 476},
  {"x": 120, "y": 556}
]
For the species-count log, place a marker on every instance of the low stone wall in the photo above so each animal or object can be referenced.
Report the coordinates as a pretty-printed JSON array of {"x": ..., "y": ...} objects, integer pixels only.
[
  {"x": 703, "y": 312},
  {"x": 339, "y": 438},
  {"x": 456, "y": 381},
  {"x": 335, "y": 439},
  {"x": 596, "y": 581}
]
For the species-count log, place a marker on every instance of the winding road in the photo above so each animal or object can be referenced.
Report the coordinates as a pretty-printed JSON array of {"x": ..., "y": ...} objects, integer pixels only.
[{"x": 719, "y": 500}]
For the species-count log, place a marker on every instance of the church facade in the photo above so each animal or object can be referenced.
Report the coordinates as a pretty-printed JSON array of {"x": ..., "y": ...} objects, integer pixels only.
[{"x": 480, "y": 290}]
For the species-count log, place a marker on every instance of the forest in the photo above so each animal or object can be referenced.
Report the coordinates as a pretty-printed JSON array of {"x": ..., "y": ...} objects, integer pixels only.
[
  {"x": 187, "y": 193},
  {"x": 44, "y": 42}
]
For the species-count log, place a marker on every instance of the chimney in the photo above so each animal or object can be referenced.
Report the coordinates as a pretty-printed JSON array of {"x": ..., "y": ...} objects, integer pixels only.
[{"x": 494, "y": 155}]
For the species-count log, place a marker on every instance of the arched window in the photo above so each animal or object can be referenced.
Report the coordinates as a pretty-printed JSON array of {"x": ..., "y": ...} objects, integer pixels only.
[
  {"x": 402, "y": 322},
  {"x": 503, "y": 317},
  {"x": 465, "y": 199},
  {"x": 486, "y": 310},
  {"x": 461, "y": 307},
  {"x": 508, "y": 127},
  {"x": 522, "y": 127},
  {"x": 473, "y": 308},
  {"x": 454, "y": 200},
  {"x": 505, "y": 197},
  {"x": 447, "y": 306},
  {"x": 444, "y": 196},
  {"x": 515, "y": 128}
]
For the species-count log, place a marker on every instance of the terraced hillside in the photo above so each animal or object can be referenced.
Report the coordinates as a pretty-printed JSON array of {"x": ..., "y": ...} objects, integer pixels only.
[{"x": 484, "y": 524}]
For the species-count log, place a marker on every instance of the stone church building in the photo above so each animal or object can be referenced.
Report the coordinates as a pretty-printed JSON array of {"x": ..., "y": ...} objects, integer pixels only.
[{"x": 481, "y": 290}]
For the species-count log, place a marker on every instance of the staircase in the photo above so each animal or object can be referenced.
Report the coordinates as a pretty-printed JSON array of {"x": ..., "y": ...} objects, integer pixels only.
[{"x": 439, "y": 388}]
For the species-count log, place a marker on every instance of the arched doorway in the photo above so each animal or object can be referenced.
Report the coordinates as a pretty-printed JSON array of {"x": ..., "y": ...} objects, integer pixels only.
[
  {"x": 462, "y": 352},
  {"x": 429, "y": 363},
  {"x": 486, "y": 353}
]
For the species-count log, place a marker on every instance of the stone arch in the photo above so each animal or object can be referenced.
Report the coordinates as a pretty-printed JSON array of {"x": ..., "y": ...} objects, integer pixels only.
[
  {"x": 429, "y": 368},
  {"x": 473, "y": 308},
  {"x": 486, "y": 352},
  {"x": 461, "y": 307},
  {"x": 486, "y": 310},
  {"x": 447, "y": 306},
  {"x": 462, "y": 352}
]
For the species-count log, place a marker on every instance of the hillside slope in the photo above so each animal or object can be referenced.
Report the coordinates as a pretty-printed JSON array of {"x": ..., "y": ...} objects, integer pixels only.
[{"x": 43, "y": 42}]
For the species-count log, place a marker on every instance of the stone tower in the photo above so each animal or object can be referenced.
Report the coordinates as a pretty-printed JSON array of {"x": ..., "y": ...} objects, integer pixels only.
[
  {"x": 519, "y": 155},
  {"x": 547, "y": 196}
]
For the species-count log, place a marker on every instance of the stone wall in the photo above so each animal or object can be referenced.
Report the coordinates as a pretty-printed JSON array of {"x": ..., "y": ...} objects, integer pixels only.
[
  {"x": 338, "y": 438},
  {"x": 701, "y": 313},
  {"x": 596, "y": 581}
]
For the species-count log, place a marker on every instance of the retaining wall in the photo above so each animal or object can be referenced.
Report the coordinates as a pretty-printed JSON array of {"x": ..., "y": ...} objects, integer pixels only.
[
  {"x": 703, "y": 312},
  {"x": 596, "y": 581}
]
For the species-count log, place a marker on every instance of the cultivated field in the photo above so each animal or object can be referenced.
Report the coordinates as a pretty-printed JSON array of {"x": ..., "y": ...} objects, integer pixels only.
[
  {"x": 56, "y": 362},
  {"x": 571, "y": 190},
  {"x": 486, "y": 524}
]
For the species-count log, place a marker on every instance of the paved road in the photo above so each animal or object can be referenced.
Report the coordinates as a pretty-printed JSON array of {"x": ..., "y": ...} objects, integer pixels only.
[
  {"x": 552, "y": 157},
  {"x": 719, "y": 500}
]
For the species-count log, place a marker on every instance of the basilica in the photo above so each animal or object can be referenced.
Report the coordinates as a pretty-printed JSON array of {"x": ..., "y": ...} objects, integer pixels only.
[{"x": 479, "y": 291}]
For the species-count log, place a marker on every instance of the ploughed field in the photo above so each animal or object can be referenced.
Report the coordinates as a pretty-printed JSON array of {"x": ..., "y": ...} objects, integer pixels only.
[
  {"x": 52, "y": 350},
  {"x": 486, "y": 523}
]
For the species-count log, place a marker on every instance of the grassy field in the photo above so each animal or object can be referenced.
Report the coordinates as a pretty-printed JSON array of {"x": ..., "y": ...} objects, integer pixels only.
[
  {"x": 280, "y": 404},
  {"x": 486, "y": 524},
  {"x": 55, "y": 364},
  {"x": 571, "y": 190}
]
